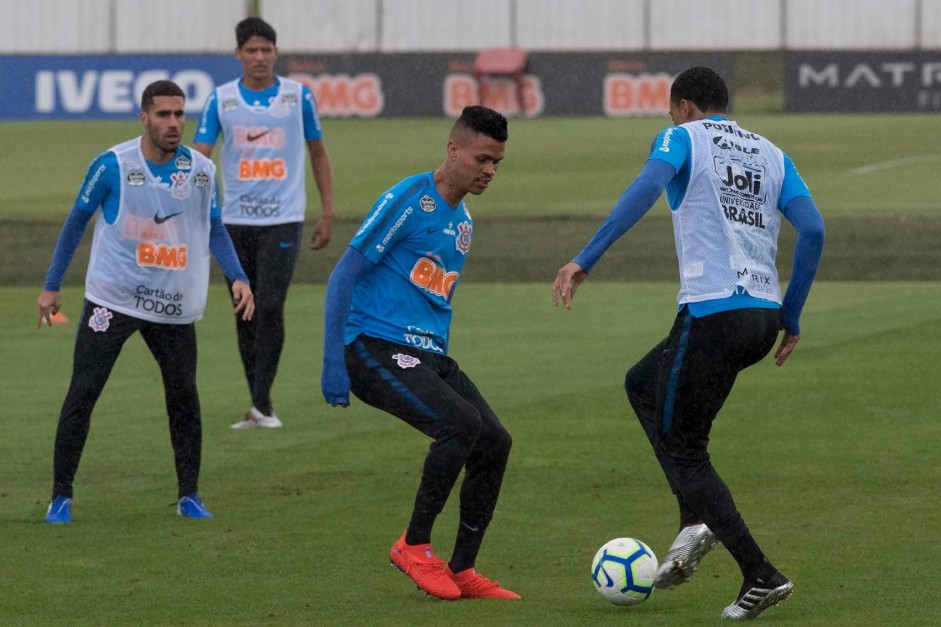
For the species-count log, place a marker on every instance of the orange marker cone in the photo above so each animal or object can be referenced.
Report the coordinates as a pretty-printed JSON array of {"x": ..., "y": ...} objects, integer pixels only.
[{"x": 59, "y": 318}]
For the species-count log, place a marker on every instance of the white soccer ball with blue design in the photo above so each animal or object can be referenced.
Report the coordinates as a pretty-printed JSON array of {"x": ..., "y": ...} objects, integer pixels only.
[{"x": 624, "y": 570}]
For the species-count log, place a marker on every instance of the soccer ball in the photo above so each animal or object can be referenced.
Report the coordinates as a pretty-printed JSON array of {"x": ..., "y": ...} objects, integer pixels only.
[{"x": 623, "y": 571}]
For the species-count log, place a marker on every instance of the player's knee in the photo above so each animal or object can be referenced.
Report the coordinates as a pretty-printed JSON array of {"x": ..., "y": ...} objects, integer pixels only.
[
  {"x": 686, "y": 466},
  {"x": 271, "y": 312},
  {"x": 462, "y": 428},
  {"x": 501, "y": 442}
]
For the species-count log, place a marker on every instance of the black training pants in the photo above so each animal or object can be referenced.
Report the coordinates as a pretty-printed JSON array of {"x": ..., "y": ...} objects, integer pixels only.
[
  {"x": 678, "y": 388},
  {"x": 431, "y": 393},
  {"x": 268, "y": 255},
  {"x": 96, "y": 351}
]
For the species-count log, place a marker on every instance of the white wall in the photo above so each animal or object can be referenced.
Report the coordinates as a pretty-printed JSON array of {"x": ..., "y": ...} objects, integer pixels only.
[
  {"x": 182, "y": 26},
  {"x": 705, "y": 24},
  {"x": 930, "y": 24},
  {"x": 850, "y": 24},
  {"x": 55, "y": 26},
  {"x": 586, "y": 25},
  {"x": 323, "y": 25},
  {"x": 409, "y": 25},
  {"x": 177, "y": 26}
]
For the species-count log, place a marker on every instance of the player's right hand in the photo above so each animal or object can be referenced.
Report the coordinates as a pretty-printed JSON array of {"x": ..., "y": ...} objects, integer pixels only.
[
  {"x": 570, "y": 276},
  {"x": 243, "y": 299},
  {"x": 47, "y": 305}
]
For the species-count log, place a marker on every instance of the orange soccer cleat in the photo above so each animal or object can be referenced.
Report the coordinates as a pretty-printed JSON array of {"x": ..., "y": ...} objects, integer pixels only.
[
  {"x": 425, "y": 568},
  {"x": 473, "y": 585}
]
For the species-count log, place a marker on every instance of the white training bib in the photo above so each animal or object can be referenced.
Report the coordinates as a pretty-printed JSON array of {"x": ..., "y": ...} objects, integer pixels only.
[
  {"x": 734, "y": 185},
  {"x": 153, "y": 261},
  {"x": 262, "y": 156}
]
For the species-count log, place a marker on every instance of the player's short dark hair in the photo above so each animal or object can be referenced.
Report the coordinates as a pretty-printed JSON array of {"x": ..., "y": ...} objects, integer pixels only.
[
  {"x": 483, "y": 120},
  {"x": 159, "y": 88},
  {"x": 703, "y": 86},
  {"x": 251, "y": 27}
]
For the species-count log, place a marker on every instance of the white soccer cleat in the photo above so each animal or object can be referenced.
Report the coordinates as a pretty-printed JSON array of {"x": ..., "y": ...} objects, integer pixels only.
[
  {"x": 758, "y": 599},
  {"x": 254, "y": 419},
  {"x": 682, "y": 560}
]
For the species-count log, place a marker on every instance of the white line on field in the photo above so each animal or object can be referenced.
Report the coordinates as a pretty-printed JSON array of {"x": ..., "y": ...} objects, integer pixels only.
[{"x": 895, "y": 163}]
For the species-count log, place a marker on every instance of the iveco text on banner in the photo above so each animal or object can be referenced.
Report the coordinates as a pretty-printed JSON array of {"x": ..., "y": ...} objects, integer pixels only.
[{"x": 103, "y": 86}]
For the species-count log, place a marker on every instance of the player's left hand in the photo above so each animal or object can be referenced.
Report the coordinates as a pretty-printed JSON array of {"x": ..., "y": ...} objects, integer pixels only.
[
  {"x": 243, "y": 299},
  {"x": 323, "y": 233},
  {"x": 47, "y": 305},
  {"x": 570, "y": 276}
]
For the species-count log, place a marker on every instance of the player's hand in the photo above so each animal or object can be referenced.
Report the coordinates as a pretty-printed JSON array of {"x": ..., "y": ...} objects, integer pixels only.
[
  {"x": 570, "y": 276},
  {"x": 785, "y": 348},
  {"x": 47, "y": 305},
  {"x": 243, "y": 299},
  {"x": 335, "y": 383},
  {"x": 323, "y": 233}
]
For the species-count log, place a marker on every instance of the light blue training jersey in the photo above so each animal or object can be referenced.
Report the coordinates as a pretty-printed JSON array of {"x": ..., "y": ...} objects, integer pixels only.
[{"x": 419, "y": 244}]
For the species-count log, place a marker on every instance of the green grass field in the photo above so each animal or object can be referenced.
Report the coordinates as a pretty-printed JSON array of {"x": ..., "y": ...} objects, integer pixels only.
[
  {"x": 831, "y": 458},
  {"x": 559, "y": 179},
  {"x": 553, "y": 167}
]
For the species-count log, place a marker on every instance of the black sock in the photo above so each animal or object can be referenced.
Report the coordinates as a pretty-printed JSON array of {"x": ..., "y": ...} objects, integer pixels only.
[
  {"x": 467, "y": 545},
  {"x": 419, "y": 530}
]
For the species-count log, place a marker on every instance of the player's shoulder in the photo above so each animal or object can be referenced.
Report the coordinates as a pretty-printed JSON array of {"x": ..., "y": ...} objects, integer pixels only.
[
  {"x": 291, "y": 84},
  {"x": 411, "y": 186},
  {"x": 107, "y": 158},
  {"x": 197, "y": 159},
  {"x": 232, "y": 84},
  {"x": 668, "y": 139},
  {"x": 130, "y": 148}
]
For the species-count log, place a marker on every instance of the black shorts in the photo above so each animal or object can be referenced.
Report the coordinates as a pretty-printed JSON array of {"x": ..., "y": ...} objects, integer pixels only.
[{"x": 426, "y": 390}]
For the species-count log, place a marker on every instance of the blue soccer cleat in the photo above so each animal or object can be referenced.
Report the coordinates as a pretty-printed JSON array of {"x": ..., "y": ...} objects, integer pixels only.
[
  {"x": 190, "y": 506},
  {"x": 60, "y": 511}
]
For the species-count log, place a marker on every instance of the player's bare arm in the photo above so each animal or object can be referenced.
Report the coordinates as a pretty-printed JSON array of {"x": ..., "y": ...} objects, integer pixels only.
[
  {"x": 570, "y": 276},
  {"x": 47, "y": 305}
]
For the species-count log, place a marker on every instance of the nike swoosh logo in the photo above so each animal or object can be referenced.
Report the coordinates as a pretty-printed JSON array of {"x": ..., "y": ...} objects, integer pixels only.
[
  {"x": 161, "y": 219},
  {"x": 286, "y": 244},
  {"x": 252, "y": 138}
]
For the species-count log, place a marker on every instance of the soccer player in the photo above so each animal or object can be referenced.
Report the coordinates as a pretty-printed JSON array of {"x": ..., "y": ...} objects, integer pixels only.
[
  {"x": 725, "y": 186},
  {"x": 386, "y": 325},
  {"x": 148, "y": 272},
  {"x": 266, "y": 121}
]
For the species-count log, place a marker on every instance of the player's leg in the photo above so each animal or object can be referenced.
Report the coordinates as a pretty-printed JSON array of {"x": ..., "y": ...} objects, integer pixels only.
[
  {"x": 640, "y": 384},
  {"x": 405, "y": 383},
  {"x": 174, "y": 348},
  {"x": 278, "y": 247},
  {"x": 101, "y": 334},
  {"x": 483, "y": 471},
  {"x": 244, "y": 240},
  {"x": 483, "y": 478},
  {"x": 691, "y": 392}
]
